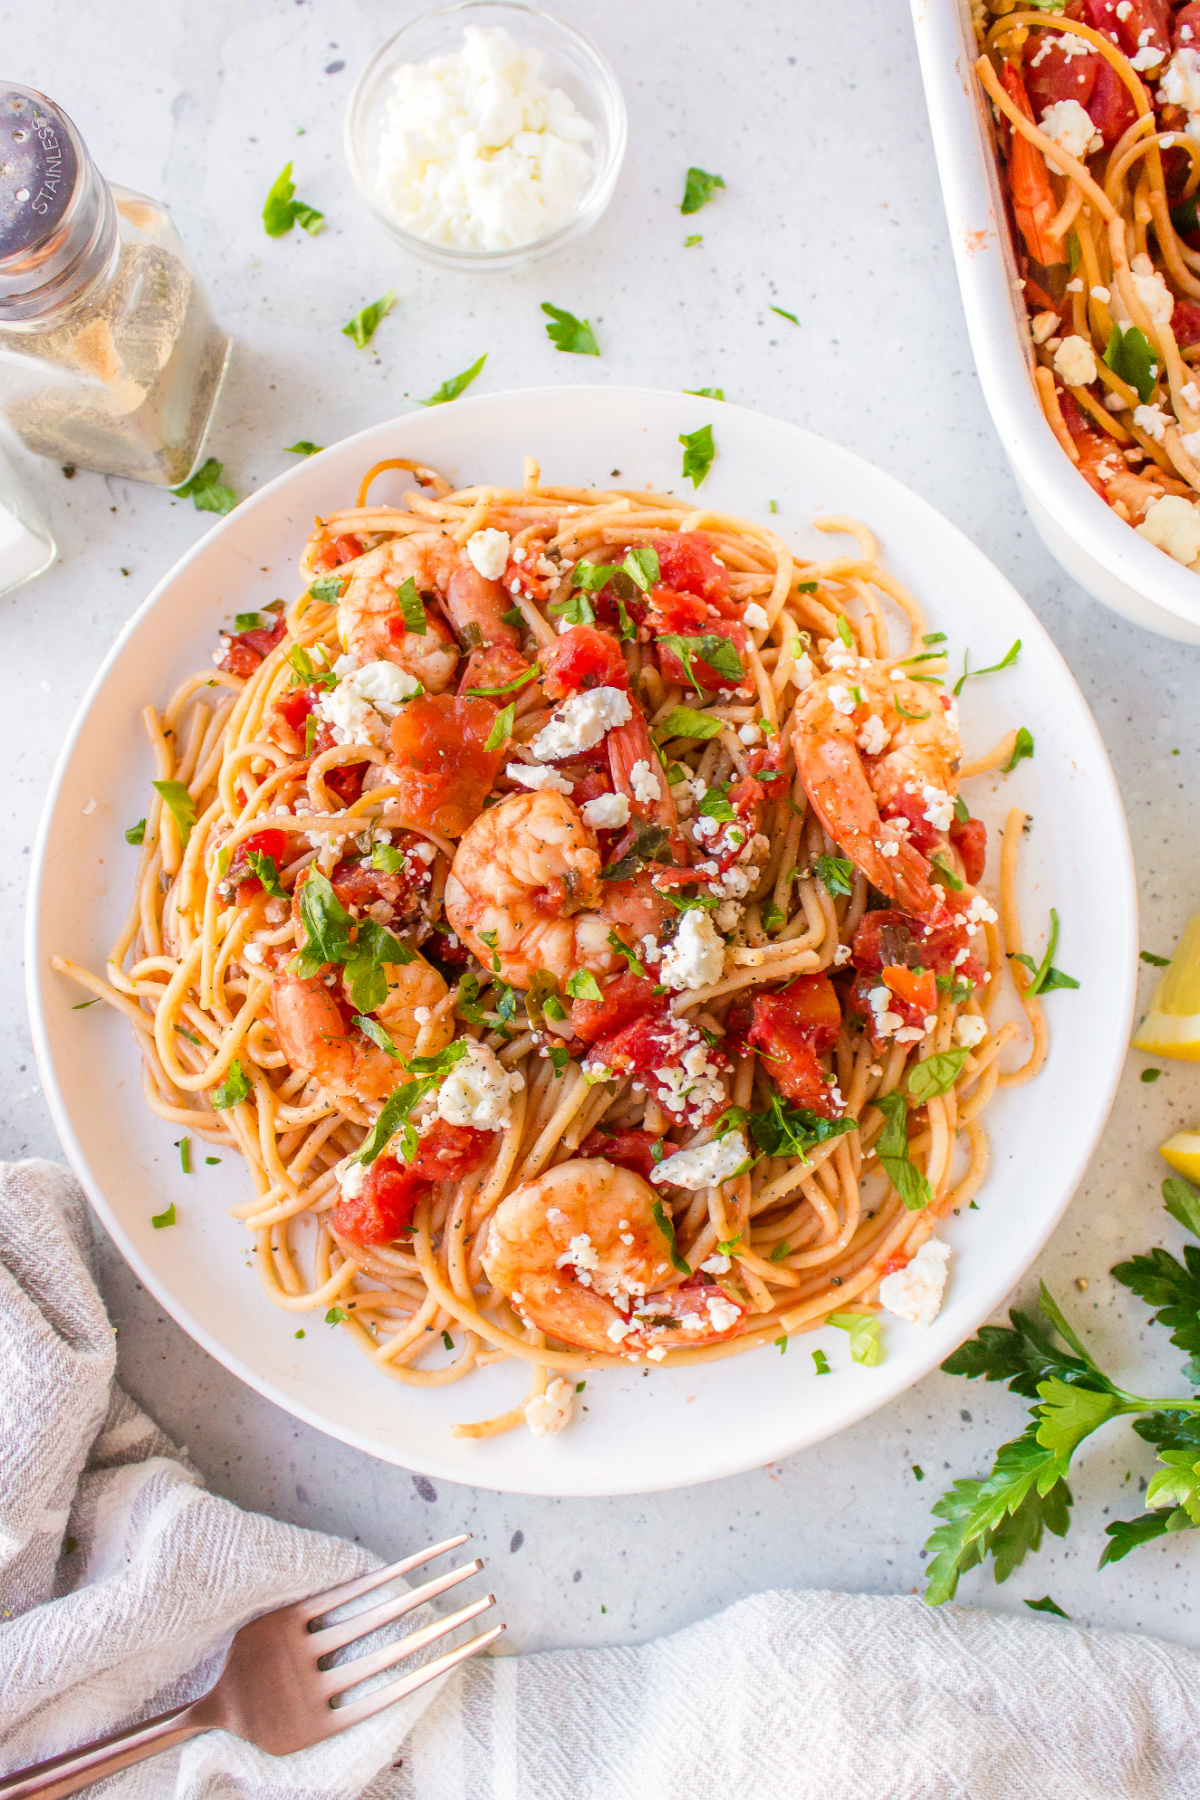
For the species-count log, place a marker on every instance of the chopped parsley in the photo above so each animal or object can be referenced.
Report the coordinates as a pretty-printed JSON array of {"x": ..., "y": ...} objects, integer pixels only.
[
  {"x": 457, "y": 384},
  {"x": 206, "y": 491},
  {"x": 698, "y": 189},
  {"x": 792, "y": 1131},
  {"x": 936, "y": 1075},
  {"x": 567, "y": 333},
  {"x": 582, "y": 985},
  {"x": 159, "y": 1220},
  {"x": 866, "y": 1343},
  {"x": 1146, "y": 956},
  {"x": 790, "y": 317},
  {"x": 502, "y": 729},
  {"x": 621, "y": 948},
  {"x": 302, "y": 447},
  {"x": 1010, "y": 656},
  {"x": 233, "y": 1090},
  {"x": 374, "y": 1030},
  {"x": 518, "y": 681},
  {"x": 413, "y": 608},
  {"x": 821, "y": 1363},
  {"x": 836, "y": 874},
  {"x": 699, "y": 453},
  {"x": 267, "y": 872},
  {"x": 892, "y": 1151},
  {"x": 363, "y": 326},
  {"x": 362, "y": 947},
  {"x": 667, "y": 1227},
  {"x": 282, "y": 210},
  {"x": 706, "y": 393},
  {"x": 1022, "y": 747},
  {"x": 1045, "y": 976},
  {"x": 180, "y": 805},
  {"x": 185, "y": 1155},
  {"x": 695, "y": 238},
  {"x": 387, "y": 859},
  {"x": 136, "y": 834},
  {"x": 336, "y": 1316},
  {"x": 1131, "y": 358},
  {"x": 718, "y": 653}
]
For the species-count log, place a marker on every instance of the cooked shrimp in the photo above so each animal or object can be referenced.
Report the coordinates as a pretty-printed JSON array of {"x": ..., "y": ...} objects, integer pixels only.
[
  {"x": 370, "y": 620},
  {"x": 860, "y": 739},
  {"x": 474, "y": 606},
  {"x": 582, "y": 1257},
  {"x": 312, "y": 1032},
  {"x": 525, "y": 890}
]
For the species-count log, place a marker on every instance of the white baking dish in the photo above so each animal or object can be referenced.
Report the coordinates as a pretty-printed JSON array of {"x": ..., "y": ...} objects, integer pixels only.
[{"x": 1104, "y": 555}]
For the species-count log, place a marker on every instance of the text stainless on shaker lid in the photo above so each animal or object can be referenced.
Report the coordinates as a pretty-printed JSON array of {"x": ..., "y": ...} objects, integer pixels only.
[{"x": 38, "y": 169}]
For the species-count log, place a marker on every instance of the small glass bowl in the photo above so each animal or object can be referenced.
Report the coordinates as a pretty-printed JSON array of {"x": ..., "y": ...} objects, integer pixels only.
[{"x": 570, "y": 63}]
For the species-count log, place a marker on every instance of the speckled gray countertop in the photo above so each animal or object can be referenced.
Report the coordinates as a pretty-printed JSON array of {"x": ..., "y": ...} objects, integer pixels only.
[{"x": 814, "y": 116}]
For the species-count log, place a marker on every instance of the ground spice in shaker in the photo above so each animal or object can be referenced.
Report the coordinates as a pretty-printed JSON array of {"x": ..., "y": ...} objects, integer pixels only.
[{"x": 110, "y": 357}]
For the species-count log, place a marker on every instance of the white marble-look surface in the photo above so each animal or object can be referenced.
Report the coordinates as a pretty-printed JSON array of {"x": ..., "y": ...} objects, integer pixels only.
[{"x": 814, "y": 116}]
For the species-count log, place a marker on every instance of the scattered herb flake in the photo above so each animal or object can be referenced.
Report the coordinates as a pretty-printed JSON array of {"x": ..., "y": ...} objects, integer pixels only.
[
  {"x": 162, "y": 1219},
  {"x": 699, "y": 452},
  {"x": 363, "y": 326},
  {"x": 567, "y": 333},
  {"x": 206, "y": 491},
  {"x": 457, "y": 384}
]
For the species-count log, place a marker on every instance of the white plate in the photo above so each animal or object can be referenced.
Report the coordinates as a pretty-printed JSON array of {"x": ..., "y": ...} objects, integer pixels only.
[
  {"x": 1096, "y": 547},
  {"x": 641, "y": 1431}
]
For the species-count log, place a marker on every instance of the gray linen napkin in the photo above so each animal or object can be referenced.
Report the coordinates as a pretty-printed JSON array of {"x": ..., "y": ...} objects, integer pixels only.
[{"x": 785, "y": 1696}]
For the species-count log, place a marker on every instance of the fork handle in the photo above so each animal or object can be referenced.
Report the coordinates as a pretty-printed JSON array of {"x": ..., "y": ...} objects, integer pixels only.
[{"x": 77, "y": 1768}]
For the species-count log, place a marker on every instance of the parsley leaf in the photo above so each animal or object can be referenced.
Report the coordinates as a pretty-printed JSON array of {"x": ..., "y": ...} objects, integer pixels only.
[
  {"x": 302, "y": 447},
  {"x": 937, "y": 1074},
  {"x": 667, "y": 1227},
  {"x": 502, "y": 729},
  {"x": 159, "y": 1220},
  {"x": 233, "y": 1090},
  {"x": 387, "y": 859},
  {"x": 790, "y": 317},
  {"x": 698, "y": 190},
  {"x": 457, "y": 384},
  {"x": 892, "y": 1151},
  {"x": 1146, "y": 956},
  {"x": 266, "y": 869},
  {"x": 1047, "y": 1605},
  {"x": 374, "y": 1030},
  {"x": 946, "y": 873},
  {"x": 706, "y": 393},
  {"x": 1022, "y": 747},
  {"x": 136, "y": 834},
  {"x": 1174, "y": 1288},
  {"x": 281, "y": 210},
  {"x": 620, "y": 948},
  {"x": 575, "y": 610},
  {"x": 1045, "y": 976},
  {"x": 684, "y": 721},
  {"x": 1010, "y": 656},
  {"x": 791, "y": 1131},
  {"x": 699, "y": 453},
  {"x": 327, "y": 589},
  {"x": 179, "y": 804},
  {"x": 821, "y": 1363},
  {"x": 413, "y": 608},
  {"x": 716, "y": 805},
  {"x": 718, "y": 653},
  {"x": 568, "y": 333},
  {"x": 362, "y": 946},
  {"x": 363, "y": 326},
  {"x": 206, "y": 491},
  {"x": 1182, "y": 1201},
  {"x": 1125, "y": 1535},
  {"x": 305, "y": 672},
  {"x": 1002, "y": 1516},
  {"x": 518, "y": 681},
  {"x": 582, "y": 985},
  {"x": 250, "y": 621},
  {"x": 836, "y": 873},
  {"x": 866, "y": 1342},
  {"x": 1130, "y": 356}
]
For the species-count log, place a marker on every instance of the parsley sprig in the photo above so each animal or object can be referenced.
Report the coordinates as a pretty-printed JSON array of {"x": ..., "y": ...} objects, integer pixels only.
[
  {"x": 362, "y": 947},
  {"x": 1025, "y": 1493}
]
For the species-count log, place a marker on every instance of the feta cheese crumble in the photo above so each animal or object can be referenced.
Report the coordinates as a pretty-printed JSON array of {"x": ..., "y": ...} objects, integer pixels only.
[
  {"x": 549, "y": 1412},
  {"x": 915, "y": 1292},
  {"x": 1151, "y": 290},
  {"x": 365, "y": 701},
  {"x": 696, "y": 956},
  {"x": 488, "y": 550},
  {"x": 706, "y": 1166},
  {"x": 754, "y": 618},
  {"x": 1152, "y": 420},
  {"x": 1173, "y": 523},
  {"x": 536, "y": 775},
  {"x": 646, "y": 788},
  {"x": 939, "y": 806},
  {"x": 580, "y": 723},
  {"x": 1075, "y": 362},
  {"x": 478, "y": 1091},
  {"x": 1068, "y": 125},
  {"x": 970, "y": 1029},
  {"x": 607, "y": 812},
  {"x": 476, "y": 152},
  {"x": 873, "y": 738}
]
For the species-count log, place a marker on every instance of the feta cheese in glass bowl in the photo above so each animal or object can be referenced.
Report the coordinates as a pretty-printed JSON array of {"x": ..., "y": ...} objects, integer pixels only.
[{"x": 486, "y": 135}]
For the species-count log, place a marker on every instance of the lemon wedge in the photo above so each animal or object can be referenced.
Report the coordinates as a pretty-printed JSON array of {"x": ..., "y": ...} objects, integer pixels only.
[
  {"x": 1172, "y": 1025},
  {"x": 1183, "y": 1153}
]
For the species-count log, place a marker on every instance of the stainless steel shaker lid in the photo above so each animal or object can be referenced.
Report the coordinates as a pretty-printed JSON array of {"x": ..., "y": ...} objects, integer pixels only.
[{"x": 39, "y": 168}]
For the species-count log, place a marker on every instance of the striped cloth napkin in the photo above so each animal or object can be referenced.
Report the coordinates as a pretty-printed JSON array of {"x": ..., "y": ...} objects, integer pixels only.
[{"x": 122, "y": 1580}]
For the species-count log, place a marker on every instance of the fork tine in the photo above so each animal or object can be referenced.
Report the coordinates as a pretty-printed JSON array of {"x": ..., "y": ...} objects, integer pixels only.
[
  {"x": 349, "y": 1674},
  {"x": 316, "y": 1604},
  {"x": 408, "y": 1684},
  {"x": 332, "y": 1637}
]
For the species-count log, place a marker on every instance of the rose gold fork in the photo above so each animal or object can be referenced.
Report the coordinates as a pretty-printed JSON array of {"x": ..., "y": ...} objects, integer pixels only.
[{"x": 273, "y": 1691}]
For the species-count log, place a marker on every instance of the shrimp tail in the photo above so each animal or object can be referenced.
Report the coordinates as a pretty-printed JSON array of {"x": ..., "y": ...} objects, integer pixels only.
[{"x": 836, "y": 784}]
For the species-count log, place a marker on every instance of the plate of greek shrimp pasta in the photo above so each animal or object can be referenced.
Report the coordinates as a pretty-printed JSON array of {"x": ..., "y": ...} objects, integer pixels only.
[{"x": 606, "y": 977}]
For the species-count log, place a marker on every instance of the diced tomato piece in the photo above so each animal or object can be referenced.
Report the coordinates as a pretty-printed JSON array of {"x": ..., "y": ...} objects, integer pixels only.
[
  {"x": 341, "y": 550},
  {"x": 625, "y": 999},
  {"x": 911, "y": 807},
  {"x": 346, "y": 781},
  {"x": 1051, "y": 75},
  {"x": 494, "y": 667},
  {"x": 895, "y": 1263},
  {"x": 1111, "y": 107},
  {"x": 1185, "y": 320},
  {"x": 247, "y": 650},
  {"x": 1131, "y": 24},
  {"x": 592, "y": 785},
  {"x": 1185, "y": 27},
  {"x": 442, "y": 767},
  {"x": 294, "y": 706},
  {"x": 686, "y": 563},
  {"x": 448, "y": 1152},
  {"x": 364, "y": 886},
  {"x": 670, "y": 1307},
  {"x": 383, "y": 1206},
  {"x": 889, "y": 938},
  {"x": 628, "y": 1149},
  {"x": 583, "y": 658},
  {"x": 673, "y": 668},
  {"x": 682, "y": 613},
  {"x": 786, "y": 1029},
  {"x": 260, "y": 843},
  {"x": 916, "y": 991},
  {"x": 969, "y": 837}
]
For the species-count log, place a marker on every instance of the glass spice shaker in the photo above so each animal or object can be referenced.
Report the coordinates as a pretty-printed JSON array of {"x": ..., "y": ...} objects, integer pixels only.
[{"x": 109, "y": 355}]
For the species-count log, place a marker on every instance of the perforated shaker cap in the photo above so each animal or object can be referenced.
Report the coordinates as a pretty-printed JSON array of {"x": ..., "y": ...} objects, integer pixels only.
[{"x": 39, "y": 168}]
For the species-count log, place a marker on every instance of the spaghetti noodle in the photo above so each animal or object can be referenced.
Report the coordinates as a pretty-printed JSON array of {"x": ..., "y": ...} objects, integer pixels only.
[
  {"x": 567, "y": 908},
  {"x": 1102, "y": 174}
]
